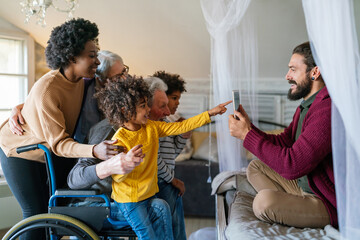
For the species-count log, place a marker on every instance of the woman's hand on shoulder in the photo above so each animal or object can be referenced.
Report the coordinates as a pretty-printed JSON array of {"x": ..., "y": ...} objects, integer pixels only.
[
  {"x": 126, "y": 162},
  {"x": 122, "y": 163},
  {"x": 16, "y": 120},
  {"x": 107, "y": 149},
  {"x": 135, "y": 154}
]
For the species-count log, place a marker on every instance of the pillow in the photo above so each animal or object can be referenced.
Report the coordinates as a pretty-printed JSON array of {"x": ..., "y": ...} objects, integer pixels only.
[
  {"x": 203, "y": 151},
  {"x": 186, "y": 152},
  {"x": 198, "y": 137}
]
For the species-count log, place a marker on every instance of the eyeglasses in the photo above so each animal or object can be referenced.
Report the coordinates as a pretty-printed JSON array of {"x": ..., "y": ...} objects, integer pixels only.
[
  {"x": 124, "y": 72},
  {"x": 126, "y": 69}
]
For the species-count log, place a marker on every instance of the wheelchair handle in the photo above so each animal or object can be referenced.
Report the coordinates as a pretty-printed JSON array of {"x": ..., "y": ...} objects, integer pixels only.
[
  {"x": 27, "y": 148},
  {"x": 49, "y": 163}
]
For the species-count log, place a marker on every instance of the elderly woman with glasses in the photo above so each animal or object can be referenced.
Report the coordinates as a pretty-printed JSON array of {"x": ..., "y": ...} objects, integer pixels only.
[{"x": 111, "y": 65}]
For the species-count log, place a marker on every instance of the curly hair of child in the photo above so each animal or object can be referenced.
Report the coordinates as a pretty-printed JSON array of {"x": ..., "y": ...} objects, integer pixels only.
[{"x": 119, "y": 98}]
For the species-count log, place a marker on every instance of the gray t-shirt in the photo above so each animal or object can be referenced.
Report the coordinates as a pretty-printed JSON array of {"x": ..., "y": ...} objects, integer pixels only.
[{"x": 83, "y": 174}]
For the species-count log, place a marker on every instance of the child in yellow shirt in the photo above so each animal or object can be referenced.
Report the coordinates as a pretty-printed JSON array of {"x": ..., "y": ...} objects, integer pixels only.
[{"x": 124, "y": 102}]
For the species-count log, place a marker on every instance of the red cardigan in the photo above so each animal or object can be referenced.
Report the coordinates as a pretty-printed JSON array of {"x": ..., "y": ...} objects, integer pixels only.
[{"x": 310, "y": 155}]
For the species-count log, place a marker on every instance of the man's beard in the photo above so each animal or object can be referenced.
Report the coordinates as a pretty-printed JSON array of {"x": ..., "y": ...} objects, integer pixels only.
[{"x": 302, "y": 90}]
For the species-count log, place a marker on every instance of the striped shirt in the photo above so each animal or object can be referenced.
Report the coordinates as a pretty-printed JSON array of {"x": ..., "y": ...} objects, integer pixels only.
[{"x": 169, "y": 148}]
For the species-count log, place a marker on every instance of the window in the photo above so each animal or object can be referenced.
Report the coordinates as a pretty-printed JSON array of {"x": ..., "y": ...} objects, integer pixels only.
[
  {"x": 15, "y": 79},
  {"x": 13, "y": 74}
]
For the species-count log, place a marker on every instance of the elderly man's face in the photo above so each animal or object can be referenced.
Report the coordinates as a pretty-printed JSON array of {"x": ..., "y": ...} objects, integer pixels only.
[
  {"x": 117, "y": 68},
  {"x": 159, "y": 109}
]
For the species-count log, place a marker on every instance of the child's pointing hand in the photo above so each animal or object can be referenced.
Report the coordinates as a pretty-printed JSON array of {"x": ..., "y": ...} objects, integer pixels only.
[{"x": 219, "y": 109}]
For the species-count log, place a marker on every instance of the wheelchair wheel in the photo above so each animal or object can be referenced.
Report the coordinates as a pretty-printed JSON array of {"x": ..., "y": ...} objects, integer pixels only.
[{"x": 66, "y": 225}]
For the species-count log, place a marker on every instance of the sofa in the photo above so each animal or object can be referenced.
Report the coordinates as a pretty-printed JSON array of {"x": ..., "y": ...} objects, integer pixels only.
[
  {"x": 196, "y": 171},
  {"x": 235, "y": 218}
]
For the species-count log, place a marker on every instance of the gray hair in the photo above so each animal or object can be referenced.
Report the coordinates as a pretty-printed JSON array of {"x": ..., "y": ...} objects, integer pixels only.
[
  {"x": 107, "y": 60},
  {"x": 155, "y": 84}
]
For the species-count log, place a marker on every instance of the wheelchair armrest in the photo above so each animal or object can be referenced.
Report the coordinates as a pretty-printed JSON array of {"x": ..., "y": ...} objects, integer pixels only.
[{"x": 66, "y": 192}]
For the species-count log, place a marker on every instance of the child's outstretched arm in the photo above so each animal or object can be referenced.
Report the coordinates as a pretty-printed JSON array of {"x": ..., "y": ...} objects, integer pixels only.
[
  {"x": 219, "y": 109},
  {"x": 176, "y": 128}
]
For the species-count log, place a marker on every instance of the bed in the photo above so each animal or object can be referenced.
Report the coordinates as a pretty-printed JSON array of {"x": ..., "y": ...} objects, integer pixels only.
[{"x": 236, "y": 220}]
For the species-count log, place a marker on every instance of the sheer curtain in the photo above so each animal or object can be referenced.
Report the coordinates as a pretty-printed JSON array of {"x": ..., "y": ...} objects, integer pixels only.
[
  {"x": 233, "y": 67},
  {"x": 332, "y": 33}
]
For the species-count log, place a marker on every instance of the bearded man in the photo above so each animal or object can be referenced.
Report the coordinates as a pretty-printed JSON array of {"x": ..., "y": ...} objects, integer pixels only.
[{"x": 293, "y": 175}]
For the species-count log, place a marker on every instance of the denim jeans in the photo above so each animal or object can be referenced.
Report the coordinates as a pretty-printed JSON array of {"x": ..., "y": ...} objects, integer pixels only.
[
  {"x": 171, "y": 195},
  {"x": 27, "y": 181},
  {"x": 149, "y": 219}
]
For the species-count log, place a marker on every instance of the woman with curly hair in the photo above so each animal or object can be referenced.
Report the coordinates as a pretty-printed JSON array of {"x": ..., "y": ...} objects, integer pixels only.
[
  {"x": 50, "y": 113},
  {"x": 125, "y": 104}
]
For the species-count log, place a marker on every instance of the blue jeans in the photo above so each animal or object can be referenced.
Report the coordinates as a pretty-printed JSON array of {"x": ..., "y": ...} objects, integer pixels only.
[
  {"x": 147, "y": 223},
  {"x": 171, "y": 195},
  {"x": 27, "y": 181}
]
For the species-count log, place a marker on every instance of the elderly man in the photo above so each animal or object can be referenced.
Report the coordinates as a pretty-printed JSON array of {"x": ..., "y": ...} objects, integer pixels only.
[
  {"x": 94, "y": 173},
  {"x": 171, "y": 189},
  {"x": 294, "y": 174}
]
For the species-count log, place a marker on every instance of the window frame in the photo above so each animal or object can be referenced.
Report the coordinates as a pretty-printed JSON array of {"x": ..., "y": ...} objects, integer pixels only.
[{"x": 29, "y": 62}]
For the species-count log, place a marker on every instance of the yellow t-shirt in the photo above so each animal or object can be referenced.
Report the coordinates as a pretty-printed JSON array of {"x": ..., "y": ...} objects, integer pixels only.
[{"x": 141, "y": 183}]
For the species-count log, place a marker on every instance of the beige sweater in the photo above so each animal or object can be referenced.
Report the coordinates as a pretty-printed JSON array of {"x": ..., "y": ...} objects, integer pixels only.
[{"x": 50, "y": 113}]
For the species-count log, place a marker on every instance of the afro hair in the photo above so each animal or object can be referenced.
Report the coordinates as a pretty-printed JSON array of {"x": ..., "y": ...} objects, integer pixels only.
[{"x": 68, "y": 41}]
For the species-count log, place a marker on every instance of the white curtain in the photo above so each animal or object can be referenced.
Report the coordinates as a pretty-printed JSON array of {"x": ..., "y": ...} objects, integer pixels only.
[
  {"x": 333, "y": 38},
  {"x": 233, "y": 67}
]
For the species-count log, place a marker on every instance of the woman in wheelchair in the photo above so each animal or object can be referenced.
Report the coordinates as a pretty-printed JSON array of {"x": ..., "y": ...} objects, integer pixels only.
[{"x": 50, "y": 113}]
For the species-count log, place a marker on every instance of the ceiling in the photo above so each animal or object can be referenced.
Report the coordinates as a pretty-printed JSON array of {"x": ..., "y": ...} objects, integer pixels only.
[
  {"x": 171, "y": 35},
  {"x": 149, "y": 35}
]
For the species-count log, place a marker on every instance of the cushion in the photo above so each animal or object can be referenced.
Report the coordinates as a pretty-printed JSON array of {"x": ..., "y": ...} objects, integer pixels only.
[
  {"x": 204, "y": 153},
  {"x": 197, "y": 138},
  {"x": 186, "y": 153},
  {"x": 243, "y": 224}
]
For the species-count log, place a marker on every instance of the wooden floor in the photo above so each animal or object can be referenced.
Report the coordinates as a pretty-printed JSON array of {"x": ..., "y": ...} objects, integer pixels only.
[
  {"x": 2, "y": 232},
  {"x": 194, "y": 224},
  {"x": 191, "y": 225}
]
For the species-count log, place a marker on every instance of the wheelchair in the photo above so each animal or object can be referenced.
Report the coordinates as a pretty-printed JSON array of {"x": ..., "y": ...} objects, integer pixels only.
[{"x": 83, "y": 222}]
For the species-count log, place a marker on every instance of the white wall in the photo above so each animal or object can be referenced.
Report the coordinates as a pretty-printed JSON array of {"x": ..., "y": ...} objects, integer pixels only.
[
  {"x": 171, "y": 34},
  {"x": 280, "y": 27},
  {"x": 7, "y": 27}
]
